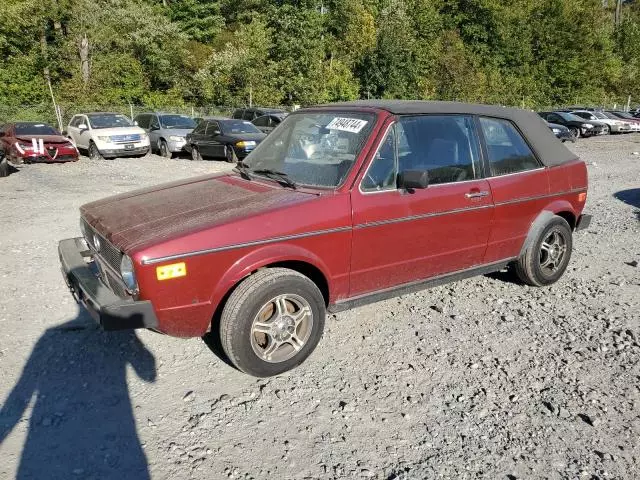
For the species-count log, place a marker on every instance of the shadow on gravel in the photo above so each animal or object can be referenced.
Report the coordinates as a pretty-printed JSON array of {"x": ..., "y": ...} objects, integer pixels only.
[
  {"x": 630, "y": 197},
  {"x": 82, "y": 423}
]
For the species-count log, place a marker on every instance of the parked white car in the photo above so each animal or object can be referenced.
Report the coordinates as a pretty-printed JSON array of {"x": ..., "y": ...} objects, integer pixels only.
[
  {"x": 107, "y": 135},
  {"x": 614, "y": 126}
]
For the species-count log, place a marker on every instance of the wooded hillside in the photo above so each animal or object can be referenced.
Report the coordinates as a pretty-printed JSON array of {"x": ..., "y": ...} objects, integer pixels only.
[{"x": 200, "y": 52}]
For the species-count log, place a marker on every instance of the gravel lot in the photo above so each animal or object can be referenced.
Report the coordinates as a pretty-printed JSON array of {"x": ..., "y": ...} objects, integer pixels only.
[{"x": 484, "y": 378}]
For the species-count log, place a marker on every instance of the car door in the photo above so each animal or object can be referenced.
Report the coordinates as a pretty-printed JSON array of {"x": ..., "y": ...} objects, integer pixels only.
[
  {"x": 81, "y": 132},
  {"x": 402, "y": 236},
  {"x": 263, "y": 123},
  {"x": 154, "y": 130},
  {"x": 195, "y": 137},
  {"x": 215, "y": 146},
  {"x": 519, "y": 185}
]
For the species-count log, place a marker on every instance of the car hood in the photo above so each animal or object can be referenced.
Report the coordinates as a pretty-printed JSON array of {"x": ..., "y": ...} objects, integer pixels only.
[
  {"x": 118, "y": 131},
  {"x": 257, "y": 137},
  {"x": 45, "y": 138},
  {"x": 181, "y": 132},
  {"x": 148, "y": 217}
]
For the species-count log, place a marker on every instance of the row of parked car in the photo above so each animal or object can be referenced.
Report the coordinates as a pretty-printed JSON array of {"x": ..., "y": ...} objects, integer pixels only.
[
  {"x": 109, "y": 135},
  {"x": 571, "y": 123}
]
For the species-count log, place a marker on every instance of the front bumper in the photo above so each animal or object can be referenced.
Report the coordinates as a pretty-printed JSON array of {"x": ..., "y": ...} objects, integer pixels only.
[
  {"x": 176, "y": 147},
  {"x": 122, "y": 152},
  {"x": 111, "y": 311}
]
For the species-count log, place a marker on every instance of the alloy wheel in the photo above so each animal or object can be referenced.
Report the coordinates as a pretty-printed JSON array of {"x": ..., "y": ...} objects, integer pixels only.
[
  {"x": 281, "y": 328},
  {"x": 552, "y": 252}
]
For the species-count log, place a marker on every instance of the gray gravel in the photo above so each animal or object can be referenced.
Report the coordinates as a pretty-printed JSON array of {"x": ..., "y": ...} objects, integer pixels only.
[{"x": 484, "y": 378}]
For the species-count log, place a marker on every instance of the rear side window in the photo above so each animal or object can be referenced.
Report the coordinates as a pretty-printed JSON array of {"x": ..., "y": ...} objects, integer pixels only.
[
  {"x": 248, "y": 115},
  {"x": 506, "y": 149},
  {"x": 446, "y": 146},
  {"x": 143, "y": 121},
  {"x": 201, "y": 127},
  {"x": 262, "y": 121}
]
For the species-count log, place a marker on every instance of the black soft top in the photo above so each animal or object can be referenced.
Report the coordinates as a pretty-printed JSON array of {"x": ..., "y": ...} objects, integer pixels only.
[{"x": 545, "y": 145}]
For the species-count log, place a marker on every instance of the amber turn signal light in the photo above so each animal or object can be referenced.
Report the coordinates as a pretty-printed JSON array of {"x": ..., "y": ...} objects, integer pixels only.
[{"x": 174, "y": 270}]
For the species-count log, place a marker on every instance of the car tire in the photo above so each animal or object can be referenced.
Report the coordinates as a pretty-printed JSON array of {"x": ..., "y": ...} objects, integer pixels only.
[
  {"x": 230, "y": 154},
  {"x": 575, "y": 131},
  {"x": 606, "y": 130},
  {"x": 94, "y": 153},
  {"x": 164, "y": 150},
  {"x": 545, "y": 260},
  {"x": 195, "y": 154},
  {"x": 4, "y": 167},
  {"x": 272, "y": 322}
]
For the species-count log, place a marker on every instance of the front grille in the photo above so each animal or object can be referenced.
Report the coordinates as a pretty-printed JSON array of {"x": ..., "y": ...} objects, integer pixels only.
[
  {"x": 134, "y": 137},
  {"x": 107, "y": 252}
]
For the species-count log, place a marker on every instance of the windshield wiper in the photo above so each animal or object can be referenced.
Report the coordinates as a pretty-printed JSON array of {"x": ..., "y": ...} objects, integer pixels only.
[
  {"x": 243, "y": 169},
  {"x": 280, "y": 176}
]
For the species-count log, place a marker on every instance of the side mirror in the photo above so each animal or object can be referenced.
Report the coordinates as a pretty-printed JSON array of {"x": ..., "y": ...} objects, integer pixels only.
[
  {"x": 82, "y": 126},
  {"x": 216, "y": 132},
  {"x": 135, "y": 122},
  {"x": 154, "y": 127},
  {"x": 413, "y": 179},
  {"x": 63, "y": 133}
]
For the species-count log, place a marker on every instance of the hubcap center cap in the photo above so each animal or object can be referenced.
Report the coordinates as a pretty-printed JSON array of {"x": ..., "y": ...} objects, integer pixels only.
[{"x": 283, "y": 328}]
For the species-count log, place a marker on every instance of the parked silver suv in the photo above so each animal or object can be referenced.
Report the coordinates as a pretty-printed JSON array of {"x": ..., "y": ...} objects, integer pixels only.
[{"x": 167, "y": 131}]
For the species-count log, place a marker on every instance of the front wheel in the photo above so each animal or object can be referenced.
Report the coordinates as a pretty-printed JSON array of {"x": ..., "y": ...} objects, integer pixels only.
[
  {"x": 94, "y": 153},
  {"x": 4, "y": 167},
  {"x": 575, "y": 131},
  {"x": 164, "y": 150},
  {"x": 547, "y": 257},
  {"x": 230, "y": 154},
  {"x": 606, "y": 130},
  {"x": 272, "y": 322},
  {"x": 195, "y": 154}
]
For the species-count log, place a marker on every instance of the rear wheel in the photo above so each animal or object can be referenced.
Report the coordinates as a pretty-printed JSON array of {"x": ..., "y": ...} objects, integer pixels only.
[
  {"x": 272, "y": 322},
  {"x": 94, "y": 153},
  {"x": 547, "y": 257},
  {"x": 195, "y": 154}
]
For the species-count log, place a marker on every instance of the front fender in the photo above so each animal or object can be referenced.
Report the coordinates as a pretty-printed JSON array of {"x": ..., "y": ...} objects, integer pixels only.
[{"x": 259, "y": 258}]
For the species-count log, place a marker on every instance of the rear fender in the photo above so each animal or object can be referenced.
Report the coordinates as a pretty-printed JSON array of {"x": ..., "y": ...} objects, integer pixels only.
[{"x": 543, "y": 219}]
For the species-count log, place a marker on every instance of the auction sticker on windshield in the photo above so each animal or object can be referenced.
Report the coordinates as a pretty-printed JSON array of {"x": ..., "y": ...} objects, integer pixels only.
[{"x": 353, "y": 125}]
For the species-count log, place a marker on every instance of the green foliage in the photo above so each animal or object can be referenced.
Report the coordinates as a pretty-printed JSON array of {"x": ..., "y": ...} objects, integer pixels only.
[{"x": 273, "y": 52}]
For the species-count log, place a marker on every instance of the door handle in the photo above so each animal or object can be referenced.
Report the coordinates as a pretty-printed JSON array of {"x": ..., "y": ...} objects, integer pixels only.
[{"x": 477, "y": 194}]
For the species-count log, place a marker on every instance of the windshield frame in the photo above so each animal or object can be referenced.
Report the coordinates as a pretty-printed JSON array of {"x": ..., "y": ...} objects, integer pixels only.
[
  {"x": 16, "y": 127},
  {"x": 164, "y": 125},
  {"x": 91, "y": 116},
  {"x": 226, "y": 121},
  {"x": 376, "y": 121}
]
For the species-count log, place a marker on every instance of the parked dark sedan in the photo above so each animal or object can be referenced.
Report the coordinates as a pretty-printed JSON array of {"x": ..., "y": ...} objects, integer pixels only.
[
  {"x": 227, "y": 138},
  {"x": 579, "y": 127},
  {"x": 561, "y": 132},
  {"x": 267, "y": 123}
]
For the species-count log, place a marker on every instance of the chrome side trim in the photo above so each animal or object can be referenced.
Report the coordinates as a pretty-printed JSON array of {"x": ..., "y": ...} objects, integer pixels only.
[
  {"x": 549, "y": 195},
  {"x": 151, "y": 261},
  {"x": 419, "y": 217}
]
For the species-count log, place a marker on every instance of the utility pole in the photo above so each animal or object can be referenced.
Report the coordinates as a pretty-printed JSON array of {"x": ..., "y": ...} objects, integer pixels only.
[{"x": 618, "y": 16}]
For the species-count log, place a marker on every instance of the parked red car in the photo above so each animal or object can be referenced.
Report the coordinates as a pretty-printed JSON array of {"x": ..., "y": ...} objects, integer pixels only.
[
  {"x": 31, "y": 142},
  {"x": 341, "y": 205}
]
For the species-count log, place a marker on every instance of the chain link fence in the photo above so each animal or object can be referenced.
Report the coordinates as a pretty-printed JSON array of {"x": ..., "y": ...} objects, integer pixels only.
[{"x": 47, "y": 113}]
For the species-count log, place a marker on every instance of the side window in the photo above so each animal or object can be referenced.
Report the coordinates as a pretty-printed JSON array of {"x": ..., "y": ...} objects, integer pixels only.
[
  {"x": 383, "y": 171},
  {"x": 153, "y": 122},
  {"x": 200, "y": 128},
  {"x": 248, "y": 115},
  {"x": 212, "y": 127},
  {"x": 553, "y": 118},
  {"x": 261, "y": 121},
  {"x": 446, "y": 146},
  {"x": 507, "y": 150}
]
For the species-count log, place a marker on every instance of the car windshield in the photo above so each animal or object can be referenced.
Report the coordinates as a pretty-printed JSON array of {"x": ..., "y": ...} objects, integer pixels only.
[
  {"x": 570, "y": 117},
  {"x": 177, "y": 122},
  {"x": 108, "y": 120},
  {"x": 233, "y": 127},
  {"x": 316, "y": 149},
  {"x": 600, "y": 115},
  {"x": 35, "y": 129}
]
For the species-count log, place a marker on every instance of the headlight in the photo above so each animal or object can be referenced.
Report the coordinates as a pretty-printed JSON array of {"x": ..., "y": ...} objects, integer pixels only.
[
  {"x": 176, "y": 138},
  {"x": 587, "y": 125},
  {"x": 248, "y": 143},
  {"x": 105, "y": 139},
  {"x": 556, "y": 130},
  {"x": 128, "y": 274},
  {"x": 144, "y": 136}
]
